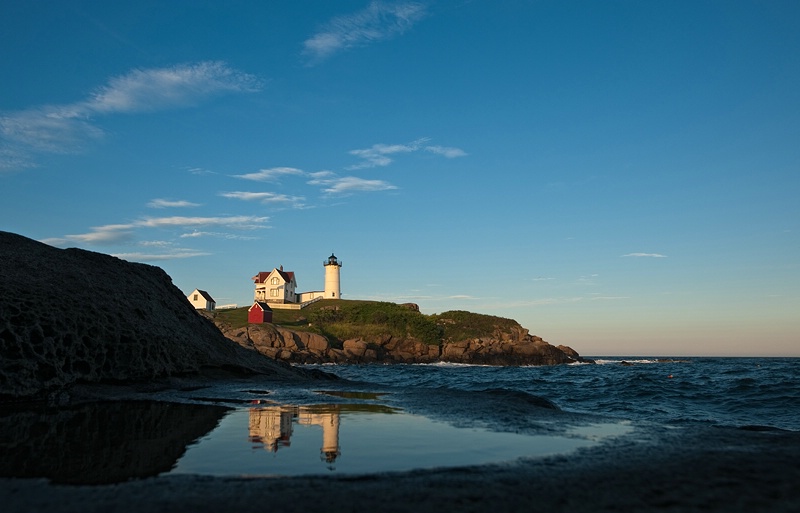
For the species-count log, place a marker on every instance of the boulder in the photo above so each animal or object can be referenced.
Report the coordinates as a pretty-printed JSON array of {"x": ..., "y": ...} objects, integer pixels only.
[{"x": 355, "y": 347}]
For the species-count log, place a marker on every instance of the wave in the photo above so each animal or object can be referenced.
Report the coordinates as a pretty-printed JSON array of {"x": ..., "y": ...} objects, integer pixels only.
[{"x": 603, "y": 361}]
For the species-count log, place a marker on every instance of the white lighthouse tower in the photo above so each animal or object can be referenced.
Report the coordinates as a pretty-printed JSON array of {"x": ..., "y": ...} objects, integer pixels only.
[{"x": 333, "y": 289}]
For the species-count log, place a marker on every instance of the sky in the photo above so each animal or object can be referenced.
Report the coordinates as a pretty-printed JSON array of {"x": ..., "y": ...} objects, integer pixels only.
[{"x": 621, "y": 177}]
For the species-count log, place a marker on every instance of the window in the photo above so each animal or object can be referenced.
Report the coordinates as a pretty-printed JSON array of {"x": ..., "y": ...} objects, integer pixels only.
[
  {"x": 275, "y": 280},
  {"x": 274, "y": 292},
  {"x": 195, "y": 297}
]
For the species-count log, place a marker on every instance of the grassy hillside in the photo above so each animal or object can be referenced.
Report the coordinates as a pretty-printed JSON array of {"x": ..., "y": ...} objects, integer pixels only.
[
  {"x": 461, "y": 325},
  {"x": 341, "y": 319}
]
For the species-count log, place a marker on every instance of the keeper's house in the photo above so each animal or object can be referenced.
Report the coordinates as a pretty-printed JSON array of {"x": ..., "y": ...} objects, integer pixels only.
[{"x": 277, "y": 286}]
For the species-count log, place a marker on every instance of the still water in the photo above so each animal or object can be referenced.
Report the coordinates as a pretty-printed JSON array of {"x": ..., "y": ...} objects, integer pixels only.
[
  {"x": 328, "y": 432},
  {"x": 342, "y": 438}
]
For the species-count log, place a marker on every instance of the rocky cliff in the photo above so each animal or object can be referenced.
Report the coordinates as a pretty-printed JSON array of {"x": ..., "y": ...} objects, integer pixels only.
[
  {"x": 70, "y": 316},
  {"x": 505, "y": 342}
]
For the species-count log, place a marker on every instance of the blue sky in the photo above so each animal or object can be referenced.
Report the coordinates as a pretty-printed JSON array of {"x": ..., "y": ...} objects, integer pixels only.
[{"x": 619, "y": 176}]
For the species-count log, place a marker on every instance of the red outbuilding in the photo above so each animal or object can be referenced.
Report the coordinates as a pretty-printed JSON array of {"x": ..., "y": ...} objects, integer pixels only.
[{"x": 259, "y": 313}]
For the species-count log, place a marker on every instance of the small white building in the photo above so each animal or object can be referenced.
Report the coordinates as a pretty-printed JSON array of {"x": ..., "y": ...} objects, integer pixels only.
[{"x": 202, "y": 300}]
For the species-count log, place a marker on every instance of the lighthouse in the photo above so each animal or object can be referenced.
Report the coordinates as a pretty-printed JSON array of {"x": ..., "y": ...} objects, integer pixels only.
[{"x": 333, "y": 289}]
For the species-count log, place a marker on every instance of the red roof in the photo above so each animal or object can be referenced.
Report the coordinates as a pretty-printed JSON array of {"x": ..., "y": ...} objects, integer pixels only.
[
  {"x": 262, "y": 276},
  {"x": 261, "y": 305}
]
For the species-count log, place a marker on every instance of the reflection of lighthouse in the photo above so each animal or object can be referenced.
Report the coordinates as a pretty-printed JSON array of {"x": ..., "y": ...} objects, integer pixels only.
[
  {"x": 333, "y": 289},
  {"x": 271, "y": 427},
  {"x": 330, "y": 438},
  {"x": 330, "y": 431}
]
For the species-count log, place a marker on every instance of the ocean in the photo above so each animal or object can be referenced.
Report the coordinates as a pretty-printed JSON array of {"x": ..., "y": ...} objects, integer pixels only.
[
  {"x": 381, "y": 418},
  {"x": 731, "y": 392}
]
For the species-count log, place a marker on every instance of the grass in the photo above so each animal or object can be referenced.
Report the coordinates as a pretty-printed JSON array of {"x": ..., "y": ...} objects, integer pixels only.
[
  {"x": 341, "y": 319},
  {"x": 295, "y": 319},
  {"x": 461, "y": 325}
]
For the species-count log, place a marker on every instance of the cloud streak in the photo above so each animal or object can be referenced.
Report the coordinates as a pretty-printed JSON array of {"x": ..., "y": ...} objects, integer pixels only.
[
  {"x": 154, "y": 257},
  {"x": 380, "y": 21},
  {"x": 644, "y": 255},
  {"x": 267, "y": 198},
  {"x": 378, "y": 155},
  {"x": 118, "y": 233},
  {"x": 331, "y": 184},
  {"x": 68, "y": 128},
  {"x": 272, "y": 174},
  {"x": 163, "y": 203},
  {"x": 343, "y": 185},
  {"x": 162, "y": 88}
]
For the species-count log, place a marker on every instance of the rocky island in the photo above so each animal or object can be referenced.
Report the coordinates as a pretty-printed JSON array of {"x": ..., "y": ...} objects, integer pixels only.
[{"x": 346, "y": 331}]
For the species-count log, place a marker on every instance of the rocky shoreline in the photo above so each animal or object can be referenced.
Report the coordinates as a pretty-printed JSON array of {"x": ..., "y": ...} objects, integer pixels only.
[{"x": 515, "y": 347}]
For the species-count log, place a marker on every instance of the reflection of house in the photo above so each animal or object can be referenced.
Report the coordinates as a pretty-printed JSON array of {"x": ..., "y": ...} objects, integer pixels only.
[
  {"x": 202, "y": 300},
  {"x": 271, "y": 427},
  {"x": 279, "y": 287}
]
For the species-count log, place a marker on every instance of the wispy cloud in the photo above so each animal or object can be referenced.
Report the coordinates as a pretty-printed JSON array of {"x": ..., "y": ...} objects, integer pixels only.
[
  {"x": 219, "y": 235},
  {"x": 118, "y": 233},
  {"x": 67, "y": 128},
  {"x": 241, "y": 222},
  {"x": 160, "y": 88},
  {"x": 445, "y": 151},
  {"x": 272, "y": 174},
  {"x": 153, "y": 257},
  {"x": 608, "y": 298},
  {"x": 378, "y": 155},
  {"x": 336, "y": 185},
  {"x": 645, "y": 255},
  {"x": 378, "y": 22},
  {"x": 163, "y": 203},
  {"x": 330, "y": 182},
  {"x": 267, "y": 198}
]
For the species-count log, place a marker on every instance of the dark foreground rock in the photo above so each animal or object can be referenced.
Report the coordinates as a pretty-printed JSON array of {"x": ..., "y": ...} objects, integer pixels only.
[{"x": 73, "y": 316}]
